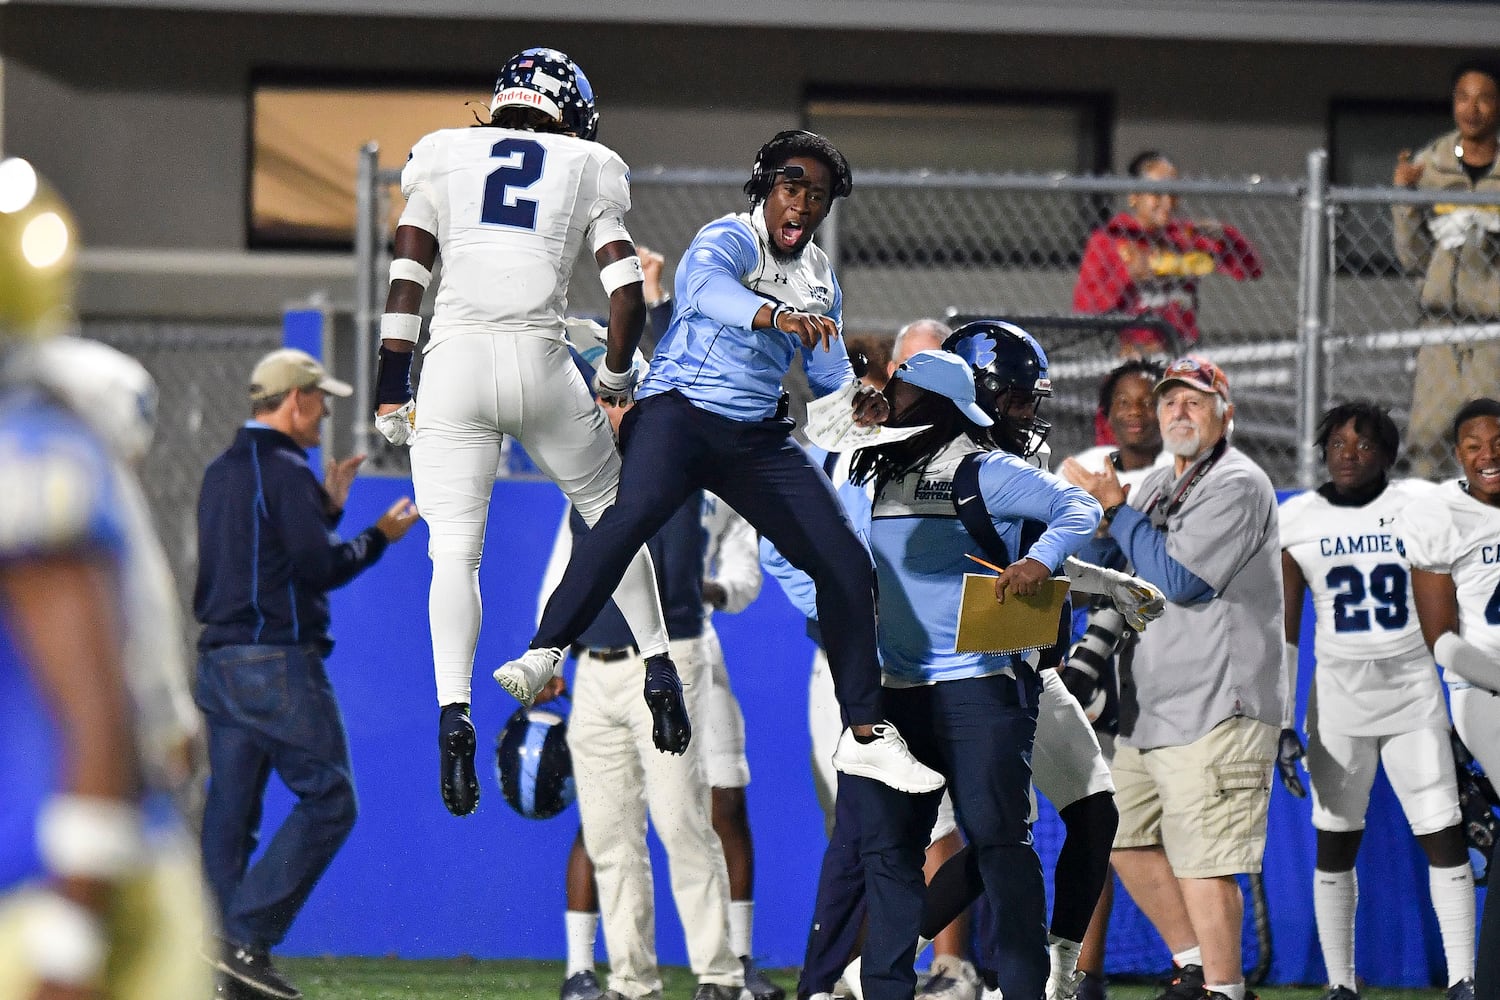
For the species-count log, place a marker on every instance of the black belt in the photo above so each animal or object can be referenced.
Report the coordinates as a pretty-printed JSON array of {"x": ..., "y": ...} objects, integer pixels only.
[{"x": 613, "y": 654}]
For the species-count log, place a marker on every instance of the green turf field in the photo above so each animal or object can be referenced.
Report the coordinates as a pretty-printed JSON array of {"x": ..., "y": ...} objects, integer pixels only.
[{"x": 393, "y": 979}]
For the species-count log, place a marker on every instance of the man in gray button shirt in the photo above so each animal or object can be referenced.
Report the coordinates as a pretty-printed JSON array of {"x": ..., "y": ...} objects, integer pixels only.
[{"x": 1202, "y": 699}]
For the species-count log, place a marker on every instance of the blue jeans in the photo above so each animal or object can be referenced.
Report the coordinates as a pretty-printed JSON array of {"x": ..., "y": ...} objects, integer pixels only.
[{"x": 270, "y": 708}]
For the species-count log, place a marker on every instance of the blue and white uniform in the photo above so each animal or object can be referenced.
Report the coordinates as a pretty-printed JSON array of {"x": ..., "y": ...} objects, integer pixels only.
[
  {"x": 712, "y": 356},
  {"x": 57, "y": 496}
]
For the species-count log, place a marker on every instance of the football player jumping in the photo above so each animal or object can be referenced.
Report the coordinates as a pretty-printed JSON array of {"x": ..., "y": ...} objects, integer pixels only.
[
  {"x": 1376, "y": 699},
  {"x": 509, "y": 205}
]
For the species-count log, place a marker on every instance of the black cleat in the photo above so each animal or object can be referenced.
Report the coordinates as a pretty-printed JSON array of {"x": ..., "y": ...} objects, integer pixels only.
[
  {"x": 1186, "y": 984},
  {"x": 456, "y": 743},
  {"x": 758, "y": 983},
  {"x": 671, "y": 730},
  {"x": 248, "y": 971}
]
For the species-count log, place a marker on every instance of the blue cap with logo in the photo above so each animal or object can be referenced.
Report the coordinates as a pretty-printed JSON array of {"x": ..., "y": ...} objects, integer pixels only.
[{"x": 946, "y": 374}]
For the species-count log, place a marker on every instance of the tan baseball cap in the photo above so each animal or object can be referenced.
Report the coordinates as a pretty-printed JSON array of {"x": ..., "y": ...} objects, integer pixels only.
[{"x": 288, "y": 369}]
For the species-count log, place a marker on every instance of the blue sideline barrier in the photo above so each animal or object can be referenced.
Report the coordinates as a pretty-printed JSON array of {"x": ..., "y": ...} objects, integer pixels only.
[{"x": 415, "y": 882}]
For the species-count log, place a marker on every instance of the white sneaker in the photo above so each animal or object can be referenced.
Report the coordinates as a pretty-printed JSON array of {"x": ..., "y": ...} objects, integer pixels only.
[
  {"x": 1063, "y": 987},
  {"x": 524, "y": 678},
  {"x": 992, "y": 994},
  {"x": 885, "y": 759},
  {"x": 951, "y": 978},
  {"x": 851, "y": 980}
]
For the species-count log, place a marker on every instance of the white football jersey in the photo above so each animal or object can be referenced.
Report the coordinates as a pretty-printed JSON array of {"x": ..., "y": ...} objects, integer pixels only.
[
  {"x": 1374, "y": 674},
  {"x": 511, "y": 210},
  {"x": 1095, "y": 458},
  {"x": 1455, "y": 534}
]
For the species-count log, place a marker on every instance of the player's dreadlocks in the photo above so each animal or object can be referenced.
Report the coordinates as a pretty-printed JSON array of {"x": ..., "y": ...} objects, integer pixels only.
[{"x": 886, "y": 463}]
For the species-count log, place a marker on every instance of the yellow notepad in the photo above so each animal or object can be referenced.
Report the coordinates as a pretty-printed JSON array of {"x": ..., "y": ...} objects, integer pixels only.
[{"x": 1018, "y": 625}]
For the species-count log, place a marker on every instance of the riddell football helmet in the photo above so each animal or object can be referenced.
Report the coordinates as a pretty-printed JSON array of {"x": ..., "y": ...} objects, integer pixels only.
[
  {"x": 1010, "y": 368},
  {"x": 533, "y": 764},
  {"x": 549, "y": 81}
]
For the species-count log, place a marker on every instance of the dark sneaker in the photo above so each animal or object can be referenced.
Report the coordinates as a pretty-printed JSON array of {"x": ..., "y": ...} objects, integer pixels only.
[
  {"x": 671, "y": 730},
  {"x": 758, "y": 983},
  {"x": 1186, "y": 984},
  {"x": 581, "y": 986},
  {"x": 251, "y": 968},
  {"x": 1462, "y": 990},
  {"x": 1093, "y": 987},
  {"x": 1340, "y": 993},
  {"x": 456, "y": 742},
  {"x": 714, "y": 991}
]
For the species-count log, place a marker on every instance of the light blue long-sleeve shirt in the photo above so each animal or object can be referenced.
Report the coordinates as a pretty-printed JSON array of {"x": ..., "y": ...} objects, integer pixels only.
[
  {"x": 710, "y": 353},
  {"x": 920, "y": 549}
]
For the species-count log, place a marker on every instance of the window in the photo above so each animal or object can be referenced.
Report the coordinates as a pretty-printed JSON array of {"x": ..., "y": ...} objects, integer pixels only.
[
  {"x": 991, "y": 133},
  {"x": 305, "y": 141}
]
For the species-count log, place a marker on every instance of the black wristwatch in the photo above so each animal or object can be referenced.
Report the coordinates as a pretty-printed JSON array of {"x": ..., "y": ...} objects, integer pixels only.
[{"x": 1110, "y": 512}]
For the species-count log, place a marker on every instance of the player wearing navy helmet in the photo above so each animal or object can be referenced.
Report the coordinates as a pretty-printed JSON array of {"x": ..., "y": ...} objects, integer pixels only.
[{"x": 510, "y": 206}]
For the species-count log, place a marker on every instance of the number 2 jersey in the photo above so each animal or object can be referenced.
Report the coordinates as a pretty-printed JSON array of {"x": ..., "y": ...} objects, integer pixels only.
[
  {"x": 1374, "y": 675},
  {"x": 1455, "y": 534},
  {"x": 511, "y": 210}
]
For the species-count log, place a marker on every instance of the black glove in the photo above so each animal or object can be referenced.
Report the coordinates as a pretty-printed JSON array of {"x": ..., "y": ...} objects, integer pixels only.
[{"x": 1289, "y": 750}]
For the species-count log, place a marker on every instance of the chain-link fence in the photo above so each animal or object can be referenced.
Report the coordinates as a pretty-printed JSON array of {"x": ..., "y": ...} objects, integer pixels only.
[
  {"x": 201, "y": 373},
  {"x": 1296, "y": 288}
]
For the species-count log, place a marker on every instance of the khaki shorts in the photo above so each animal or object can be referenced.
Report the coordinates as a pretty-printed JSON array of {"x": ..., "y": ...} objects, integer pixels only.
[{"x": 1205, "y": 803}]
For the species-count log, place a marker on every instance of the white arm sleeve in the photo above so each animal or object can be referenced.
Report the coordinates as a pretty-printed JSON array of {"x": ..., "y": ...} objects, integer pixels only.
[
  {"x": 738, "y": 570},
  {"x": 557, "y": 562},
  {"x": 1461, "y": 657},
  {"x": 1289, "y": 656}
]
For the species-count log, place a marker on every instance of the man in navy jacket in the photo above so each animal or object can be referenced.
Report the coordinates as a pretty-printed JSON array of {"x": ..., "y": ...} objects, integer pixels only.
[{"x": 267, "y": 557}]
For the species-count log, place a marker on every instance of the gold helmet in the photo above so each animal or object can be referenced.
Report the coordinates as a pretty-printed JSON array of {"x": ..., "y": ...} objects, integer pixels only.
[{"x": 38, "y": 247}]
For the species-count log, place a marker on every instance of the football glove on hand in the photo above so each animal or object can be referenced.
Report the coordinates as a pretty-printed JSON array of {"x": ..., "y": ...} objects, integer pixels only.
[
  {"x": 1140, "y": 602},
  {"x": 617, "y": 388},
  {"x": 399, "y": 426},
  {"x": 1289, "y": 750}
]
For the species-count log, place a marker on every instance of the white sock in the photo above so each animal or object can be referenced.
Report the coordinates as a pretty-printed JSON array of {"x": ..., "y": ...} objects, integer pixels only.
[
  {"x": 581, "y": 929},
  {"x": 453, "y": 609},
  {"x": 1335, "y": 897},
  {"x": 741, "y": 918},
  {"x": 1234, "y": 991},
  {"x": 1453, "y": 901},
  {"x": 1188, "y": 956},
  {"x": 1064, "y": 956}
]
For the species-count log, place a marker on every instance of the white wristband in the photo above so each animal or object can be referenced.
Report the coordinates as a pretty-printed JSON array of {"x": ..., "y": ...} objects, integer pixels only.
[
  {"x": 625, "y": 271},
  {"x": 406, "y": 269},
  {"x": 90, "y": 837},
  {"x": 63, "y": 941},
  {"x": 1289, "y": 658},
  {"x": 400, "y": 326}
]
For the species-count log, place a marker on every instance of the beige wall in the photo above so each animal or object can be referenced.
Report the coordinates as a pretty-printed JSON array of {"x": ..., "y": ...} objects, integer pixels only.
[{"x": 141, "y": 116}]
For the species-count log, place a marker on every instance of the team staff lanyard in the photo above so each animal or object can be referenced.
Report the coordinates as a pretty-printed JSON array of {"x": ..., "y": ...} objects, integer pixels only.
[{"x": 1160, "y": 515}]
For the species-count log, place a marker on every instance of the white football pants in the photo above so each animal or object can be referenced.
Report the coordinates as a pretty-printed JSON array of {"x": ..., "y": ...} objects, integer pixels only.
[
  {"x": 475, "y": 389},
  {"x": 619, "y": 774}
]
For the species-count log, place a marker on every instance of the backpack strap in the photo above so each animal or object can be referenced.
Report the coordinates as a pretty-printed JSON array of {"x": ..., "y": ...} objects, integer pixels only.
[{"x": 968, "y": 503}]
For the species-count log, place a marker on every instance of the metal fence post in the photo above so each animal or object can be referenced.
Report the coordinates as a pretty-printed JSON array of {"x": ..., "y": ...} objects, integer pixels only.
[
  {"x": 365, "y": 253},
  {"x": 1313, "y": 294}
]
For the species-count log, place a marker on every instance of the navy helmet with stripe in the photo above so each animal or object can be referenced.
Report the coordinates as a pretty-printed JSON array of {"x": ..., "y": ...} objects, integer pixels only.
[{"x": 532, "y": 761}]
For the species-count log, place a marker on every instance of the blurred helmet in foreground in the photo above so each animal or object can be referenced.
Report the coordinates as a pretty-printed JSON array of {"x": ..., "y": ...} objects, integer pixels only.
[
  {"x": 38, "y": 246},
  {"x": 108, "y": 389}
]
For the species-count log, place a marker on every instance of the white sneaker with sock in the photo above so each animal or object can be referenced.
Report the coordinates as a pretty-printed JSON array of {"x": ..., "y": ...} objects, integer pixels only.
[
  {"x": 524, "y": 678},
  {"x": 885, "y": 759}
]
